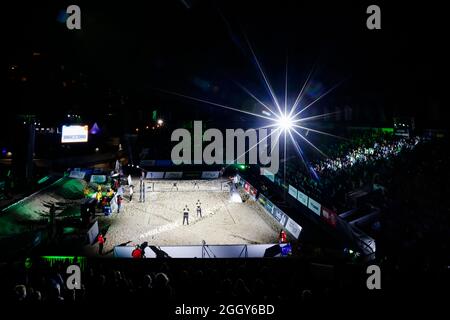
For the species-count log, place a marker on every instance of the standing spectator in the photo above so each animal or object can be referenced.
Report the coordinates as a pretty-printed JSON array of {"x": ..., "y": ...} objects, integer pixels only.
[
  {"x": 20, "y": 293},
  {"x": 110, "y": 194},
  {"x": 121, "y": 191},
  {"x": 131, "y": 192},
  {"x": 98, "y": 197},
  {"x": 186, "y": 215},
  {"x": 101, "y": 241},
  {"x": 119, "y": 203},
  {"x": 199, "y": 208},
  {"x": 283, "y": 237}
]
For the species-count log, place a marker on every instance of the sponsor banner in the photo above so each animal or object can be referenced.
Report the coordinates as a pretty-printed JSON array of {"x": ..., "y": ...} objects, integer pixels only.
[
  {"x": 262, "y": 199},
  {"x": 77, "y": 174},
  {"x": 154, "y": 175},
  {"x": 210, "y": 174},
  {"x": 273, "y": 210},
  {"x": 269, "y": 175},
  {"x": 284, "y": 219},
  {"x": 279, "y": 215},
  {"x": 293, "y": 228},
  {"x": 269, "y": 206},
  {"x": 303, "y": 198},
  {"x": 173, "y": 175},
  {"x": 293, "y": 191},
  {"x": 265, "y": 203},
  {"x": 98, "y": 178},
  {"x": 329, "y": 216},
  {"x": 250, "y": 190},
  {"x": 147, "y": 163},
  {"x": 314, "y": 206},
  {"x": 253, "y": 192}
]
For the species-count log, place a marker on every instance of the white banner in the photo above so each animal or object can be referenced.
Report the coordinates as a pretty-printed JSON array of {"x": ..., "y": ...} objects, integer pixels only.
[
  {"x": 293, "y": 228},
  {"x": 210, "y": 174},
  {"x": 93, "y": 233},
  {"x": 303, "y": 198},
  {"x": 154, "y": 175},
  {"x": 173, "y": 175},
  {"x": 293, "y": 191},
  {"x": 314, "y": 206},
  {"x": 210, "y": 251},
  {"x": 113, "y": 202},
  {"x": 77, "y": 174}
]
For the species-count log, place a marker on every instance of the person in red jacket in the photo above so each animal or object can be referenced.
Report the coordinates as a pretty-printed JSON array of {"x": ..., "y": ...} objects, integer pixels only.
[
  {"x": 137, "y": 253},
  {"x": 101, "y": 242},
  {"x": 283, "y": 237}
]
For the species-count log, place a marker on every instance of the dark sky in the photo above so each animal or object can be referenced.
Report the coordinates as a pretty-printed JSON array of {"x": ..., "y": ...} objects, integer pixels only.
[{"x": 201, "y": 49}]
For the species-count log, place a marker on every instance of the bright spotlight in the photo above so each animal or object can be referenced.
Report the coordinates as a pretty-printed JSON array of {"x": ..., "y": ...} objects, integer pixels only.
[
  {"x": 285, "y": 123},
  {"x": 160, "y": 121}
]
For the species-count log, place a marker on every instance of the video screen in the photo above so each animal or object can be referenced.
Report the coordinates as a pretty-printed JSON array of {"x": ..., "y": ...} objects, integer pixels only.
[{"x": 74, "y": 134}]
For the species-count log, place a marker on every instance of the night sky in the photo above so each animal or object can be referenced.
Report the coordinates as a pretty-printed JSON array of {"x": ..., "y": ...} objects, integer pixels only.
[{"x": 199, "y": 48}]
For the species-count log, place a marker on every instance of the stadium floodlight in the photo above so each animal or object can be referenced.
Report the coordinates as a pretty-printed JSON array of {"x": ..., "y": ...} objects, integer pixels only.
[
  {"x": 285, "y": 122},
  {"x": 288, "y": 118}
]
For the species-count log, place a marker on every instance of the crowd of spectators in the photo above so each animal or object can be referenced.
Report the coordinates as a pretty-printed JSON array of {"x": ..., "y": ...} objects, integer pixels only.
[
  {"x": 410, "y": 180},
  {"x": 366, "y": 154},
  {"x": 156, "y": 283},
  {"x": 352, "y": 164},
  {"x": 159, "y": 286}
]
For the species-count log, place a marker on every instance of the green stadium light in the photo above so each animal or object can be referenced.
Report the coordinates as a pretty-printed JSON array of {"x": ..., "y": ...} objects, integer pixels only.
[
  {"x": 42, "y": 180},
  {"x": 81, "y": 261}
]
